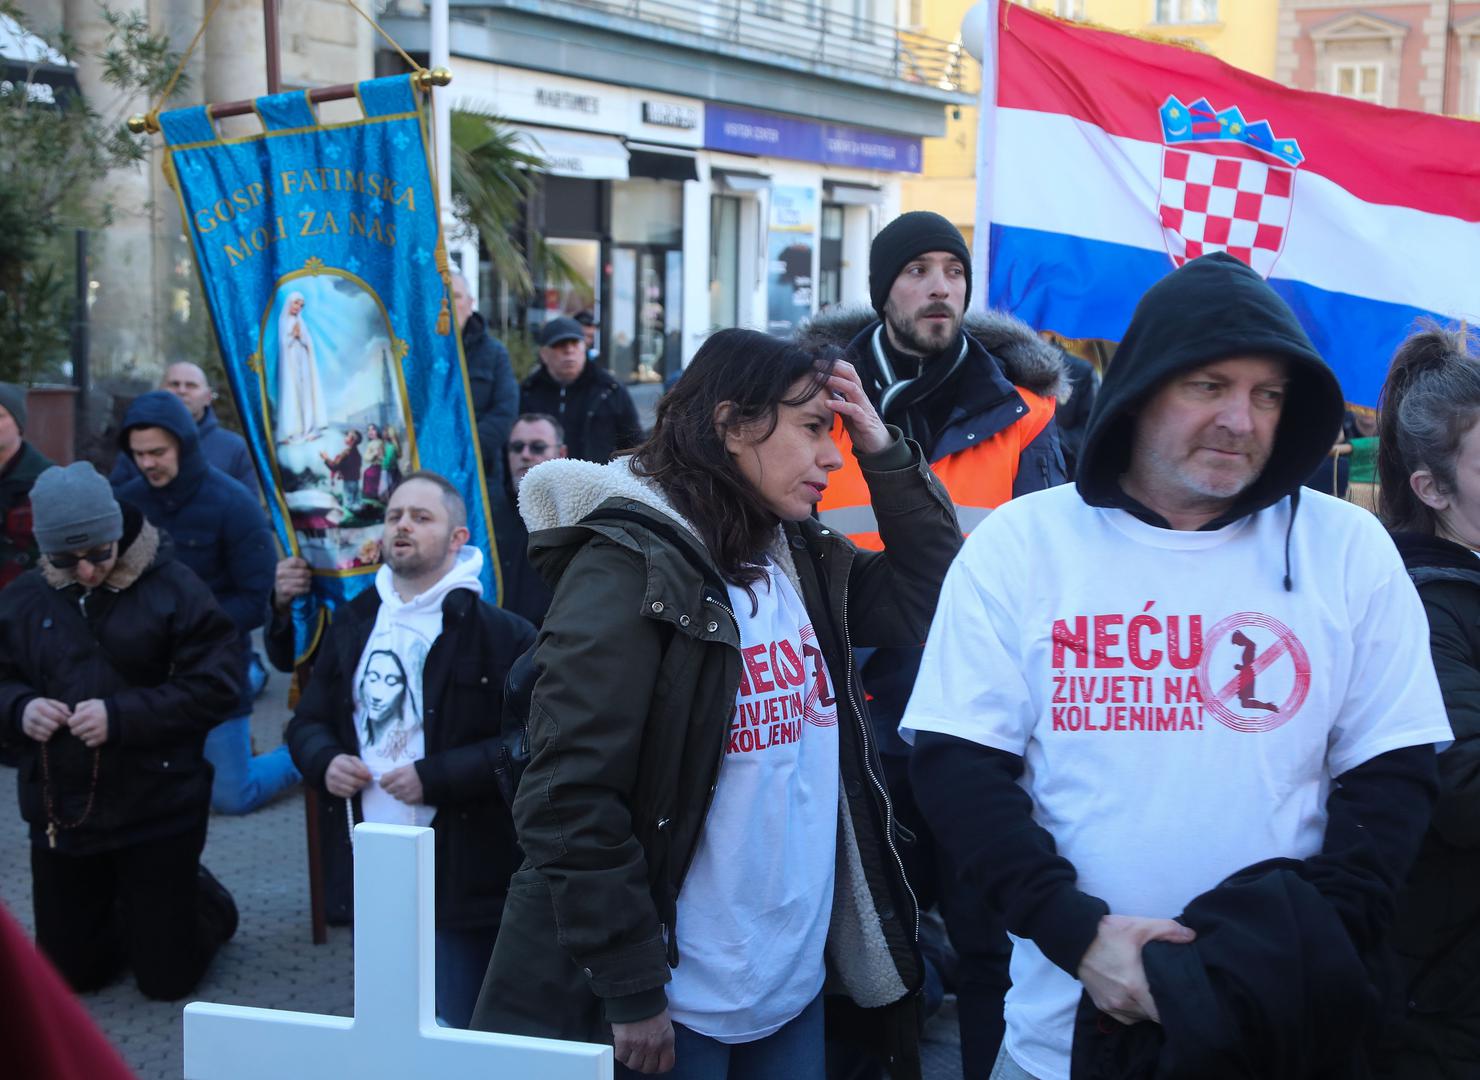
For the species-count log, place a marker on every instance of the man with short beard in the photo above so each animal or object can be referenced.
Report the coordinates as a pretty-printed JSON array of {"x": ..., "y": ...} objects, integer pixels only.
[
  {"x": 1176, "y": 724},
  {"x": 978, "y": 395},
  {"x": 428, "y": 657}
]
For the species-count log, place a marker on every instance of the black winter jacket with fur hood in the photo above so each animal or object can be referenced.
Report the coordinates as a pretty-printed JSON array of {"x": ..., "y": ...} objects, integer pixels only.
[{"x": 154, "y": 646}]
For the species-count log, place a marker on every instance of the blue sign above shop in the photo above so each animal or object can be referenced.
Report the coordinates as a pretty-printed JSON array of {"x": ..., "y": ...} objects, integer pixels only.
[{"x": 771, "y": 135}]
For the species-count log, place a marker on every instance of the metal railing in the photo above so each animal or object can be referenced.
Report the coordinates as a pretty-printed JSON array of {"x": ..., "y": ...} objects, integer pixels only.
[{"x": 832, "y": 34}]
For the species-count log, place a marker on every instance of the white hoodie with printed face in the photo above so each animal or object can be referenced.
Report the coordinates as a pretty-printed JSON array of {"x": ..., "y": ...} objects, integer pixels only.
[{"x": 389, "y": 705}]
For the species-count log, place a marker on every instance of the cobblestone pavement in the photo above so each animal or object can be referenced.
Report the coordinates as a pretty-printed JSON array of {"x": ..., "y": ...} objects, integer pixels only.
[{"x": 271, "y": 962}]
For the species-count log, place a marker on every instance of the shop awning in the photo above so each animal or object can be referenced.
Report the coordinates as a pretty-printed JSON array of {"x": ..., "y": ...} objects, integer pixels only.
[
  {"x": 577, "y": 153},
  {"x": 662, "y": 162},
  {"x": 835, "y": 191},
  {"x": 741, "y": 182}
]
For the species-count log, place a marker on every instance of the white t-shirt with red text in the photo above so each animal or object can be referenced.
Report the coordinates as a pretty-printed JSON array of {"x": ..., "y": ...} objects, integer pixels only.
[
  {"x": 753, "y": 910},
  {"x": 1181, "y": 715}
]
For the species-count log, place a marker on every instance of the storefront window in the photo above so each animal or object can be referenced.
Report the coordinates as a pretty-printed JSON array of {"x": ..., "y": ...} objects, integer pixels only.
[
  {"x": 724, "y": 261},
  {"x": 647, "y": 212},
  {"x": 830, "y": 258}
]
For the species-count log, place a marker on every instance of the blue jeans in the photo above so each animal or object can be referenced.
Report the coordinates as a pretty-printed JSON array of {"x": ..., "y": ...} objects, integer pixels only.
[
  {"x": 244, "y": 782},
  {"x": 1007, "y": 1069},
  {"x": 793, "y": 1053},
  {"x": 462, "y": 961}
]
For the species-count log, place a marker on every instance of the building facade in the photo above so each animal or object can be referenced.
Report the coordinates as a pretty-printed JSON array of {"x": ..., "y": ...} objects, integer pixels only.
[
  {"x": 709, "y": 164},
  {"x": 1412, "y": 54},
  {"x": 1240, "y": 32},
  {"x": 146, "y": 309}
]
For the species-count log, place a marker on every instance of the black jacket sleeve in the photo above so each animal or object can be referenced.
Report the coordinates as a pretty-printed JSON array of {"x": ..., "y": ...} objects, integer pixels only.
[
  {"x": 1450, "y": 607},
  {"x": 312, "y": 736},
  {"x": 495, "y": 402},
  {"x": 894, "y": 591},
  {"x": 1376, "y": 818},
  {"x": 1007, "y": 862},
  {"x": 629, "y": 427},
  {"x": 1041, "y": 464},
  {"x": 467, "y": 773}
]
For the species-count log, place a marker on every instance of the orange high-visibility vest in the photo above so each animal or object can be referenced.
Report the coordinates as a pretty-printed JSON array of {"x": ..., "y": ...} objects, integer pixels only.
[{"x": 978, "y": 478}]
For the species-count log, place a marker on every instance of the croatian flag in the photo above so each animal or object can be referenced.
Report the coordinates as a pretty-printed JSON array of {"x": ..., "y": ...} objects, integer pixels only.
[{"x": 1108, "y": 160}]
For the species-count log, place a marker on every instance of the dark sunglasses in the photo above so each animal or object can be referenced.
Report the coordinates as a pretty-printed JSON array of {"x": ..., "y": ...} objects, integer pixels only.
[
  {"x": 538, "y": 446},
  {"x": 97, "y": 556}
]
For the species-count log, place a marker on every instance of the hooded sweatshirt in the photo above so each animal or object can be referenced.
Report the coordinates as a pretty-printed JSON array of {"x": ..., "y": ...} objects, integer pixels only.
[
  {"x": 1093, "y": 742},
  {"x": 389, "y": 712},
  {"x": 1213, "y": 308}
]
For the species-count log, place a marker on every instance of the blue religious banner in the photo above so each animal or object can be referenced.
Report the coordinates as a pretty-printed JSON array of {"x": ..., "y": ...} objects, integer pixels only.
[{"x": 321, "y": 254}]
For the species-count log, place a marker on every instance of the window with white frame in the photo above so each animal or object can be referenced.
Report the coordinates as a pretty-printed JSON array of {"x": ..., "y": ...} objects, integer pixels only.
[
  {"x": 1186, "y": 11},
  {"x": 1069, "y": 9},
  {"x": 911, "y": 14},
  {"x": 1362, "y": 81}
]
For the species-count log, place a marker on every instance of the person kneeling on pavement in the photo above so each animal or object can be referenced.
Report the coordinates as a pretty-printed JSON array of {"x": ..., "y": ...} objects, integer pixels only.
[{"x": 115, "y": 661}]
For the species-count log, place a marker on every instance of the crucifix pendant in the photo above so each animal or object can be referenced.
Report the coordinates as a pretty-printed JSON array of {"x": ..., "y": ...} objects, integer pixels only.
[{"x": 51, "y": 834}]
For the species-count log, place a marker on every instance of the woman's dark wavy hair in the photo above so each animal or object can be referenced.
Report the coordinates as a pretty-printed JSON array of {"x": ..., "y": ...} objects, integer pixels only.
[
  {"x": 1430, "y": 399},
  {"x": 686, "y": 455}
]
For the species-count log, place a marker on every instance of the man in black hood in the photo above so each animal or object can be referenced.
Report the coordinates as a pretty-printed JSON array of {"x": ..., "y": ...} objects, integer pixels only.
[{"x": 1249, "y": 681}]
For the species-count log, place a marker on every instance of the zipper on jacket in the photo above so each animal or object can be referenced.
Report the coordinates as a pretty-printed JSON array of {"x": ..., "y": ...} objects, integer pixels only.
[
  {"x": 868, "y": 766},
  {"x": 671, "y": 929}
]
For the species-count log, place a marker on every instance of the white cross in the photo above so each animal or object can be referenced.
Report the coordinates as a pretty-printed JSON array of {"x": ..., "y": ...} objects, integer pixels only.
[{"x": 394, "y": 1032}]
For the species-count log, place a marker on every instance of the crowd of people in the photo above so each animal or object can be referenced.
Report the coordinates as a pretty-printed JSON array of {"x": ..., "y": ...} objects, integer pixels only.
[{"x": 900, "y": 657}]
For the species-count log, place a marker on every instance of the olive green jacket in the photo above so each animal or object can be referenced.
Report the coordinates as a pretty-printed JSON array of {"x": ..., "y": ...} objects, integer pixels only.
[{"x": 639, "y": 669}]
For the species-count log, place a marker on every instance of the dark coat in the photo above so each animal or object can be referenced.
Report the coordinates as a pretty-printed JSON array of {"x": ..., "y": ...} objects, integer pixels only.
[
  {"x": 462, "y": 686},
  {"x": 153, "y": 645},
  {"x": 218, "y": 527},
  {"x": 524, "y": 591},
  {"x": 1072, "y": 416},
  {"x": 640, "y": 666},
  {"x": 1272, "y": 988},
  {"x": 225, "y": 450},
  {"x": 1435, "y": 1022},
  {"x": 17, "y": 544},
  {"x": 495, "y": 397},
  {"x": 595, "y": 410}
]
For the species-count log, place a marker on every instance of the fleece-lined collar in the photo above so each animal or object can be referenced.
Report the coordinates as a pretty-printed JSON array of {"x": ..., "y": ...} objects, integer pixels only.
[
  {"x": 1026, "y": 359},
  {"x": 133, "y": 560},
  {"x": 564, "y": 491}
]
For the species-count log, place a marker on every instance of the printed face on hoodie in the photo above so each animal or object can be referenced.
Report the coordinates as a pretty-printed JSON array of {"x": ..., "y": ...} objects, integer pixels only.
[
  {"x": 1206, "y": 435},
  {"x": 420, "y": 535},
  {"x": 157, "y": 454}
]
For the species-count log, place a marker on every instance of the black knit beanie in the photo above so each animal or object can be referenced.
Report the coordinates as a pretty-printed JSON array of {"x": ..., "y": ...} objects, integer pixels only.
[{"x": 906, "y": 237}]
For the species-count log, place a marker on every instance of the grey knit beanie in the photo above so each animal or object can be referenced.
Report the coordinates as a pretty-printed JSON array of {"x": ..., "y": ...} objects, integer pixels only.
[
  {"x": 73, "y": 509},
  {"x": 13, "y": 401}
]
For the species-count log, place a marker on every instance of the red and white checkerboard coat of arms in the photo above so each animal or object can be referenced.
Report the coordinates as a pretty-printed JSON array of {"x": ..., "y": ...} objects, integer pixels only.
[{"x": 1221, "y": 190}]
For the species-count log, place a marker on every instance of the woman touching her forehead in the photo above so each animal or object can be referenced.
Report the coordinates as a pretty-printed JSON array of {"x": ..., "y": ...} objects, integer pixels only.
[{"x": 710, "y": 862}]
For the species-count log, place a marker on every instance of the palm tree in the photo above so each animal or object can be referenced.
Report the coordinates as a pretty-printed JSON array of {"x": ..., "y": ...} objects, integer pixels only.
[{"x": 493, "y": 176}]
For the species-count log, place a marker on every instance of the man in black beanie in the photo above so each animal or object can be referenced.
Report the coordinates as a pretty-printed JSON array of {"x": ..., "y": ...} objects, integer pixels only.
[{"x": 979, "y": 398}]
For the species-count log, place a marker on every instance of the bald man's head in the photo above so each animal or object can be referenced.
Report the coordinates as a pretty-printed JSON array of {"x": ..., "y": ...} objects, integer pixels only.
[
  {"x": 462, "y": 299},
  {"x": 189, "y": 383}
]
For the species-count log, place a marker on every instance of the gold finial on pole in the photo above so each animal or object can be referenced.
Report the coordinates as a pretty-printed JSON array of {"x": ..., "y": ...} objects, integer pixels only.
[
  {"x": 428, "y": 78},
  {"x": 140, "y": 124}
]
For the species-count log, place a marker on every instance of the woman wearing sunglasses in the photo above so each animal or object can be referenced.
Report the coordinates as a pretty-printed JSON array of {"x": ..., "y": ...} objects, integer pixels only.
[{"x": 114, "y": 663}]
